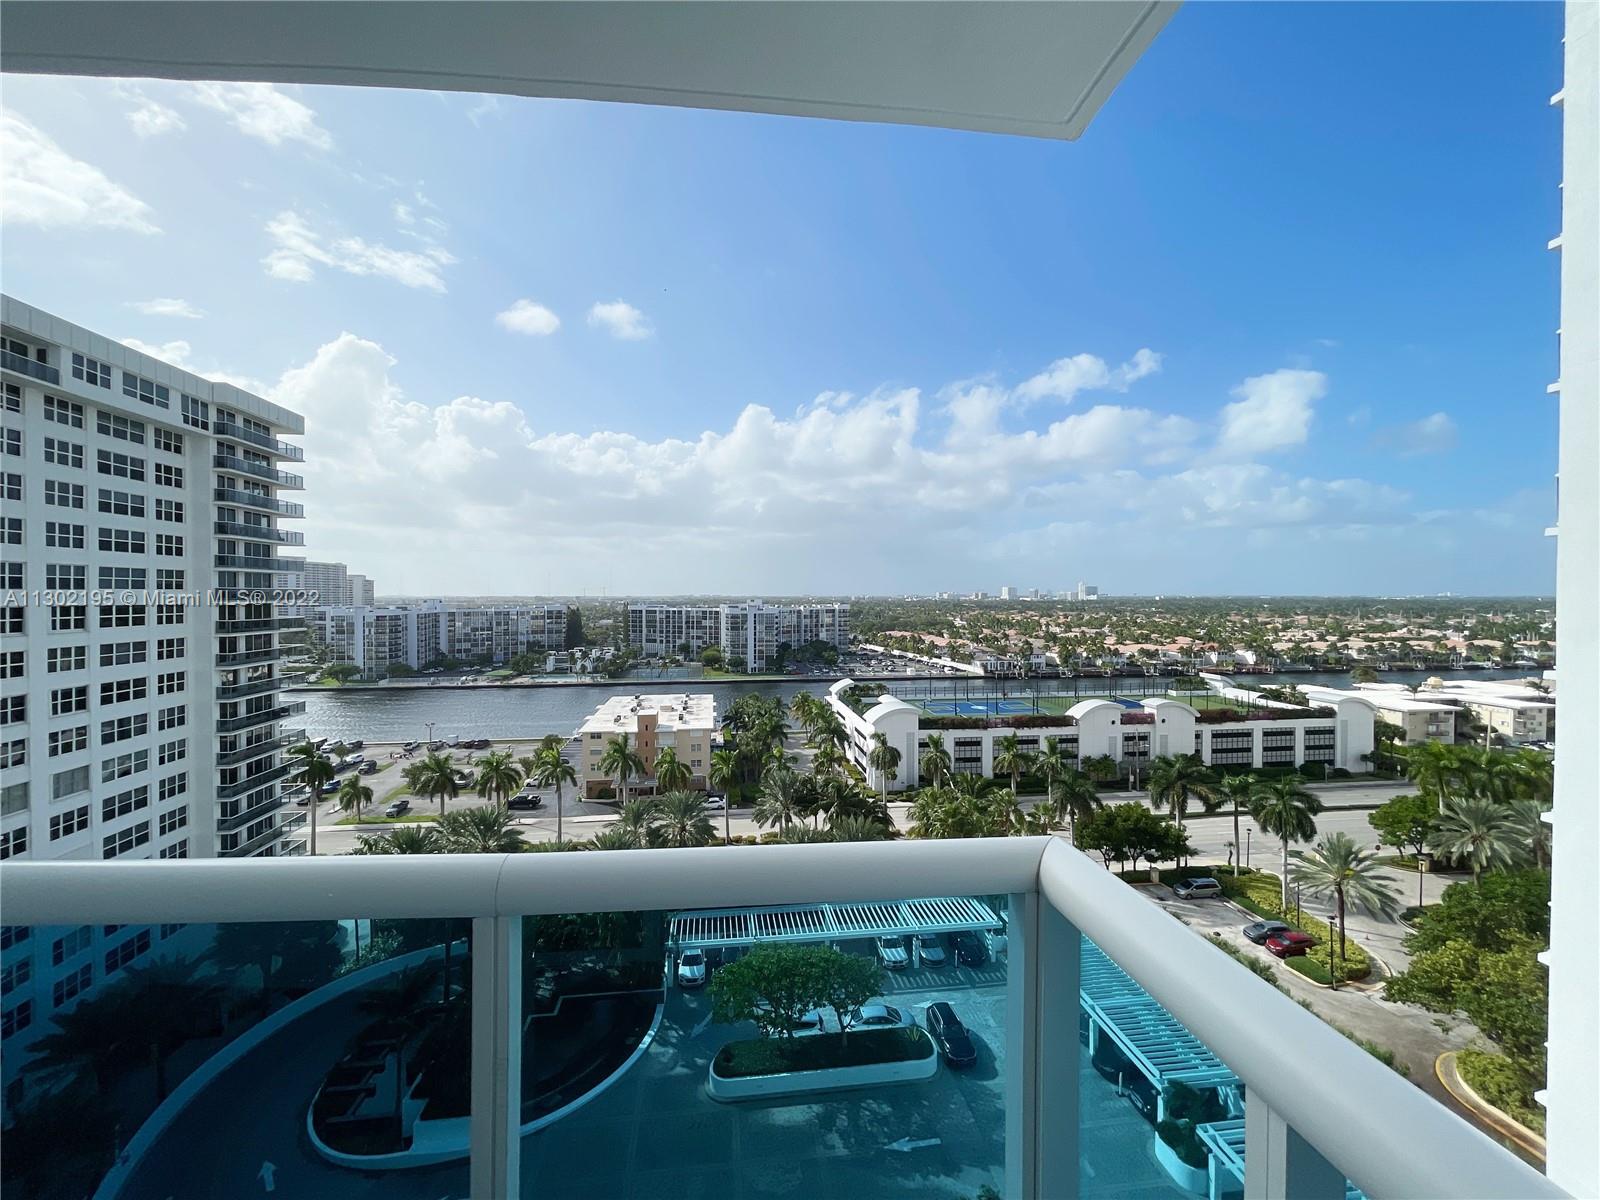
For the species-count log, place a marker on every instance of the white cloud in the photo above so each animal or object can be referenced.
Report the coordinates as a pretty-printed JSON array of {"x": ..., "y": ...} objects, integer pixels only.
[
  {"x": 167, "y": 308},
  {"x": 525, "y": 316},
  {"x": 1433, "y": 434},
  {"x": 175, "y": 353},
  {"x": 42, "y": 185},
  {"x": 621, "y": 320},
  {"x": 261, "y": 111},
  {"x": 1066, "y": 377},
  {"x": 1273, "y": 412},
  {"x": 151, "y": 119},
  {"x": 299, "y": 250}
]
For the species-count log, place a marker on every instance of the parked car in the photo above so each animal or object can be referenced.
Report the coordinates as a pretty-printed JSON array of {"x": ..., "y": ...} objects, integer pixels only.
[
  {"x": 716, "y": 803},
  {"x": 398, "y": 808},
  {"x": 691, "y": 969},
  {"x": 950, "y": 1035},
  {"x": 892, "y": 953},
  {"x": 968, "y": 948},
  {"x": 358, "y": 744},
  {"x": 527, "y": 800},
  {"x": 1197, "y": 889},
  {"x": 931, "y": 951},
  {"x": 813, "y": 1023},
  {"x": 464, "y": 779},
  {"x": 1141, "y": 1093},
  {"x": 410, "y": 746},
  {"x": 1290, "y": 944},
  {"x": 367, "y": 768},
  {"x": 881, "y": 1016},
  {"x": 1111, "y": 1062},
  {"x": 1259, "y": 931}
]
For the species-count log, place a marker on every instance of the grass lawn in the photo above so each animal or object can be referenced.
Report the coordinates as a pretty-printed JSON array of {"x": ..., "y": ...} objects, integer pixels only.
[
  {"x": 380, "y": 819},
  {"x": 775, "y": 1056}
]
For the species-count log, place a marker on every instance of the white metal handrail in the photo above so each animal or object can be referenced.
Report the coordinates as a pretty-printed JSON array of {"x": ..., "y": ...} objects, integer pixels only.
[{"x": 1389, "y": 1137}]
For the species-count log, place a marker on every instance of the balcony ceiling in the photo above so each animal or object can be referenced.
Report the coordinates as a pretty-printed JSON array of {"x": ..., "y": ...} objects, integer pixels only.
[{"x": 1039, "y": 69}]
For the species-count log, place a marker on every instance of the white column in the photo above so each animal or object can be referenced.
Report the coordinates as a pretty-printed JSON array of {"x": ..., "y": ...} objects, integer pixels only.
[
  {"x": 1279, "y": 1164},
  {"x": 1042, "y": 1052},
  {"x": 496, "y": 1121}
]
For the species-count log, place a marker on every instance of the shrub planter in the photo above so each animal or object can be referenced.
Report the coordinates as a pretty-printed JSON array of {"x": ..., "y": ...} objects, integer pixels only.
[
  {"x": 893, "y": 1056},
  {"x": 1190, "y": 1179}
]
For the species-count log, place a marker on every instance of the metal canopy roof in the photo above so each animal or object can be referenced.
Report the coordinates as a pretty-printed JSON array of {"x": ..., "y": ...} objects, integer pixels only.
[
  {"x": 1225, "y": 1140},
  {"x": 1038, "y": 69},
  {"x": 708, "y": 927},
  {"x": 1156, "y": 1041}
]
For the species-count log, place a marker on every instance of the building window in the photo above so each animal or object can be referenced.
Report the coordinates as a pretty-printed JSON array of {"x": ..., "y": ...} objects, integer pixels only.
[
  {"x": 125, "y": 840},
  {"x": 176, "y": 850},
  {"x": 63, "y": 412},
  {"x": 169, "y": 648},
  {"x": 13, "y": 620},
  {"x": 12, "y": 439},
  {"x": 66, "y": 658},
  {"x": 170, "y": 752},
  {"x": 13, "y": 710},
  {"x": 69, "y": 700},
  {"x": 169, "y": 579},
  {"x": 69, "y": 783},
  {"x": 166, "y": 440},
  {"x": 65, "y": 577},
  {"x": 15, "y": 1020},
  {"x": 169, "y": 510},
  {"x": 169, "y": 544},
  {"x": 121, "y": 729},
  {"x": 121, "y": 504},
  {"x": 91, "y": 370},
  {"x": 122, "y": 691},
  {"x": 169, "y": 614},
  {"x": 67, "y": 617},
  {"x": 63, "y": 453},
  {"x": 122, "y": 654},
  {"x": 63, "y": 535},
  {"x": 122, "y": 579},
  {"x": 14, "y": 842},
  {"x": 172, "y": 718},
  {"x": 14, "y": 975},
  {"x": 67, "y": 823},
  {"x": 15, "y": 798},
  {"x": 113, "y": 425},
  {"x": 196, "y": 412},
  {"x": 11, "y": 531},
  {"x": 14, "y": 753},
  {"x": 172, "y": 785},
  {"x": 73, "y": 943},
  {"x": 169, "y": 476},
  {"x": 137, "y": 387},
  {"x": 11, "y": 487},
  {"x": 72, "y": 985},
  {"x": 123, "y": 466},
  {"x": 169, "y": 682},
  {"x": 121, "y": 616},
  {"x": 68, "y": 741},
  {"x": 124, "y": 953},
  {"x": 124, "y": 803},
  {"x": 13, "y": 398},
  {"x": 121, "y": 541},
  {"x": 11, "y": 664},
  {"x": 62, "y": 494},
  {"x": 11, "y": 576}
]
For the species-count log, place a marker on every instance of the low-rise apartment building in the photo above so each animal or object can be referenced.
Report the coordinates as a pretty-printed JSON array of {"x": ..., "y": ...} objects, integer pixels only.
[
  {"x": 687, "y": 722},
  {"x": 417, "y": 636},
  {"x": 1505, "y": 712},
  {"x": 1338, "y": 734},
  {"x": 751, "y": 632}
]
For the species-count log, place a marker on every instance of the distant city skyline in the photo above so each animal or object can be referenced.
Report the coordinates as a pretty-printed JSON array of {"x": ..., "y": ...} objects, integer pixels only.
[{"x": 551, "y": 347}]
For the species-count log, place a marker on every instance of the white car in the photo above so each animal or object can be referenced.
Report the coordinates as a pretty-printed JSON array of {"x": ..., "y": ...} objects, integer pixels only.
[
  {"x": 892, "y": 953},
  {"x": 882, "y": 1016},
  {"x": 813, "y": 1023},
  {"x": 716, "y": 803},
  {"x": 692, "y": 968},
  {"x": 931, "y": 949}
]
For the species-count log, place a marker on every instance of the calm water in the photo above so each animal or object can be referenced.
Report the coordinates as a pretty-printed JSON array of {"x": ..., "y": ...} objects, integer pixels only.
[{"x": 402, "y": 714}]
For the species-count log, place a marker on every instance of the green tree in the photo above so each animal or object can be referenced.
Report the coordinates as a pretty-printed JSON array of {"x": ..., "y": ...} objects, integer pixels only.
[
  {"x": 885, "y": 760},
  {"x": 711, "y": 658},
  {"x": 1406, "y": 822},
  {"x": 434, "y": 778},
  {"x": 499, "y": 777},
  {"x": 551, "y": 769},
  {"x": 1124, "y": 832},
  {"x": 354, "y": 796},
  {"x": 622, "y": 762},
  {"x": 1236, "y": 793},
  {"x": 60, "y": 1142},
  {"x": 314, "y": 770},
  {"x": 780, "y": 800},
  {"x": 1362, "y": 673},
  {"x": 485, "y": 830},
  {"x": 1077, "y": 799},
  {"x": 856, "y": 828},
  {"x": 343, "y": 672},
  {"x": 847, "y": 982},
  {"x": 1336, "y": 866},
  {"x": 640, "y": 819},
  {"x": 683, "y": 820},
  {"x": 1286, "y": 810},
  {"x": 614, "y": 837},
  {"x": 1503, "y": 908},
  {"x": 1177, "y": 779},
  {"x": 1010, "y": 759},
  {"x": 672, "y": 773},
  {"x": 1482, "y": 833},
  {"x": 404, "y": 839},
  {"x": 724, "y": 775},
  {"x": 934, "y": 761}
]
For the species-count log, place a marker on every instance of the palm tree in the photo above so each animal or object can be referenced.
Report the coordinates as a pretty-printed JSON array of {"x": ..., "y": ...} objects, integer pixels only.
[
  {"x": 1011, "y": 759},
  {"x": 314, "y": 770},
  {"x": 934, "y": 761},
  {"x": 1485, "y": 834},
  {"x": 499, "y": 777},
  {"x": 1529, "y": 815},
  {"x": 163, "y": 1004},
  {"x": 804, "y": 708},
  {"x": 1237, "y": 792},
  {"x": 684, "y": 820},
  {"x": 613, "y": 838},
  {"x": 885, "y": 760},
  {"x": 672, "y": 773},
  {"x": 827, "y": 730},
  {"x": 434, "y": 776},
  {"x": 485, "y": 830},
  {"x": 1433, "y": 767},
  {"x": 638, "y": 818},
  {"x": 1288, "y": 812},
  {"x": 396, "y": 1004},
  {"x": 827, "y": 760},
  {"x": 724, "y": 776},
  {"x": 854, "y": 828},
  {"x": 621, "y": 760},
  {"x": 353, "y": 794},
  {"x": 551, "y": 769},
  {"x": 1077, "y": 799},
  {"x": 804, "y": 833},
  {"x": 405, "y": 839},
  {"x": 85, "y": 1042},
  {"x": 1338, "y": 866},
  {"x": 780, "y": 800},
  {"x": 60, "y": 1142},
  {"x": 1175, "y": 779},
  {"x": 1051, "y": 765}
]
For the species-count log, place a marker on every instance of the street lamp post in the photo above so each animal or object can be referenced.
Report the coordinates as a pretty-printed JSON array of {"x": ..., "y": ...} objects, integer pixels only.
[
  {"x": 1247, "y": 835},
  {"x": 429, "y": 742}
]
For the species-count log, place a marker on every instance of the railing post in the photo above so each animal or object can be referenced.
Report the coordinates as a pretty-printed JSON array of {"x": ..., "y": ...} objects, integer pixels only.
[
  {"x": 1042, "y": 1052},
  {"x": 1279, "y": 1164},
  {"x": 496, "y": 1122}
]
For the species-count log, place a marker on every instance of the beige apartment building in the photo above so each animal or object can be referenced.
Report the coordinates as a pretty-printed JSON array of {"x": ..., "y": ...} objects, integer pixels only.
[{"x": 685, "y": 722}]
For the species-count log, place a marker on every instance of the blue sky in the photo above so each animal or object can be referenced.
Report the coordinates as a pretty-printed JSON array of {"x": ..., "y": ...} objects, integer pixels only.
[{"x": 1280, "y": 321}]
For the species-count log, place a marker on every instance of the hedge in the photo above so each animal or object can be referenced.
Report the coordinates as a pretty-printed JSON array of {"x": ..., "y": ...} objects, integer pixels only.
[
  {"x": 777, "y": 1056},
  {"x": 1503, "y": 1084},
  {"x": 1258, "y": 892}
]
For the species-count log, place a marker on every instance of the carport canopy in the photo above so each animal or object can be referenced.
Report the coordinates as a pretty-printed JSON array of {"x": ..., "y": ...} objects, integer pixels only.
[
  {"x": 715, "y": 927},
  {"x": 1160, "y": 1045},
  {"x": 1225, "y": 1140}
]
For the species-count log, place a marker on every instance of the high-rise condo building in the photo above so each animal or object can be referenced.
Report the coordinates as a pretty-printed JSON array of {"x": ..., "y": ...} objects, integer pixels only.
[{"x": 751, "y": 631}]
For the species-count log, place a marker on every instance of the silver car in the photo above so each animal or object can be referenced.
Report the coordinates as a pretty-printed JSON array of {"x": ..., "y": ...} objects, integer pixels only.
[
  {"x": 930, "y": 949},
  {"x": 892, "y": 953}
]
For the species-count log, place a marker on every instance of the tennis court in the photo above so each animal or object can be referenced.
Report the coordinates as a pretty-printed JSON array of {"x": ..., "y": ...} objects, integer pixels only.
[{"x": 1050, "y": 704}]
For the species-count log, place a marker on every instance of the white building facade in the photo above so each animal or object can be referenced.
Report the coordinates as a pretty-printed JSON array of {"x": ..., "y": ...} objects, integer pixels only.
[
  {"x": 752, "y": 631},
  {"x": 416, "y": 636}
]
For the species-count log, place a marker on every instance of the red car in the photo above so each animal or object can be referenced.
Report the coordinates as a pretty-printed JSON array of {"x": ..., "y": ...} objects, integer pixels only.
[{"x": 1289, "y": 943}]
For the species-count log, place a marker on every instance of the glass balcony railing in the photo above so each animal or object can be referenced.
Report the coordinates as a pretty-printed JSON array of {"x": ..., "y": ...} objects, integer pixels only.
[
  {"x": 250, "y": 720},
  {"x": 231, "y": 462},
  {"x": 253, "y": 687},
  {"x": 262, "y": 441},
  {"x": 261, "y": 625},
  {"x": 258, "y": 562},
  {"x": 947, "y": 1019},
  {"x": 239, "y": 787},
  {"x": 284, "y": 508},
  {"x": 24, "y": 365},
  {"x": 260, "y": 533}
]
